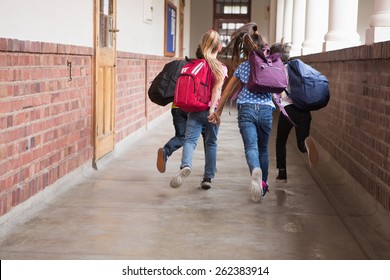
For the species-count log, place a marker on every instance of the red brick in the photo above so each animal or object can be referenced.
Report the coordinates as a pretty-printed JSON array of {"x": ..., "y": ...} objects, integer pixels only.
[{"x": 357, "y": 116}]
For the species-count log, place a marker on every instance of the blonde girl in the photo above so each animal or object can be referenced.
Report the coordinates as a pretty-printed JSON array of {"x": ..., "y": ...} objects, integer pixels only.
[{"x": 210, "y": 46}]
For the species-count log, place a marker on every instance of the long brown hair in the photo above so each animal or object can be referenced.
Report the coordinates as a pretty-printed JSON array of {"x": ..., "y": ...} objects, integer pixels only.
[{"x": 243, "y": 41}]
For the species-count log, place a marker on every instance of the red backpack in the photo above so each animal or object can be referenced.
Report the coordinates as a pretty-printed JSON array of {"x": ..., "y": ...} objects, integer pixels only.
[{"x": 193, "y": 87}]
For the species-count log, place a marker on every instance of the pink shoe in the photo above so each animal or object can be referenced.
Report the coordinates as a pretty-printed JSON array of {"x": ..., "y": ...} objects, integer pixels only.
[{"x": 265, "y": 188}]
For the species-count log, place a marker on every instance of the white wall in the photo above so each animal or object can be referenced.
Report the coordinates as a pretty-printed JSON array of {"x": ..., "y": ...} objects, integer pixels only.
[
  {"x": 71, "y": 22},
  {"x": 54, "y": 21},
  {"x": 261, "y": 16},
  {"x": 201, "y": 22},
  {"x": 137, "y": 35}
]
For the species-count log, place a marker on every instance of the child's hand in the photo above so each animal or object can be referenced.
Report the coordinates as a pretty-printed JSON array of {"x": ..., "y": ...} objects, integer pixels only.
[{"x": 214, "y": 118}]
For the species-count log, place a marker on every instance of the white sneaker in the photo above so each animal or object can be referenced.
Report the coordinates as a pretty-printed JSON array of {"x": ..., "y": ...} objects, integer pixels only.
[
  {"x": 312, "y": 152},
  {"x": 178, "y": 180},
  {"x": 255, "y": 188}
]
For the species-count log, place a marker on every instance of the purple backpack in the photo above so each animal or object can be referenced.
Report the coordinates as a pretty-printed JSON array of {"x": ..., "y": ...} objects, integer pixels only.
[{"x": 267, "y": 74}]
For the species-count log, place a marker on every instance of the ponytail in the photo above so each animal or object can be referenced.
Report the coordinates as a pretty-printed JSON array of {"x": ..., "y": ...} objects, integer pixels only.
[{"x": 243, "y": 41}]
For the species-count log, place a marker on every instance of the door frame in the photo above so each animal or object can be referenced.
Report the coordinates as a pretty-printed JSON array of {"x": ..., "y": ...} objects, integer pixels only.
[{"x": 181, "y": 26}]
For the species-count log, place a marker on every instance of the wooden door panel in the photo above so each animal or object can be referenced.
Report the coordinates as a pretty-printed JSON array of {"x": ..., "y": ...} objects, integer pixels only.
[
  {"x": 105, "y": 75},
  {"x": 105, "y": 111}
]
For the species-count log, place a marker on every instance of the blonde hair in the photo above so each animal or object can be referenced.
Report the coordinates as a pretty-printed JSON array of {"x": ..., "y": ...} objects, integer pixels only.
[{"x": 209, "y": 45}]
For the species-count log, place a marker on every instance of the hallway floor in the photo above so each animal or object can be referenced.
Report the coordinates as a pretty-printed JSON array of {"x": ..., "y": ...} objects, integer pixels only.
[{"x": 127, "y": 210}]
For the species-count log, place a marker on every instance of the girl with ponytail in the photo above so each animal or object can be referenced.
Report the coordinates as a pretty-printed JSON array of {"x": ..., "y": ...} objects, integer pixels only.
[{"x": 254, "y": 109}]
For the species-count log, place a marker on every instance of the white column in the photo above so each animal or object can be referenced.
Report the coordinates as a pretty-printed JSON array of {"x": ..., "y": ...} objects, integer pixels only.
[
  {"x": 279, "y": 20},
  {"x": 342, "y": 25},
  {"x": 272, "y": 22},
  {"x": 379, "y": 30},
  {"x": 287, "y": 24},
  {"x": 316, "y": 25},
  {"x": 298, "y": 27}
]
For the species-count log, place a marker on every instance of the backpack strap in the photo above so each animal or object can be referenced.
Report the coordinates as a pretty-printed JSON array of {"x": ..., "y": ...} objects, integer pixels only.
[{"x": 278, "y": 102}]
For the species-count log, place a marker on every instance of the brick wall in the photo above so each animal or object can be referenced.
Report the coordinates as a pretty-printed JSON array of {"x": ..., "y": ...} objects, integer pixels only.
[
  {"x": 133, "y": 107},
  {"x": 355, "y": 126},
  {"x": 46, "y": 118}
]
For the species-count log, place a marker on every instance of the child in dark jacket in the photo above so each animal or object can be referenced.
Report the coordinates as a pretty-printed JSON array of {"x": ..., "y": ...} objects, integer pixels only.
[{"x": 301, "y": 118}]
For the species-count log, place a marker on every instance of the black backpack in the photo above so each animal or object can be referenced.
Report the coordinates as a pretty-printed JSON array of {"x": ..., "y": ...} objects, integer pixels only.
[{"x": 162, "y": 88}]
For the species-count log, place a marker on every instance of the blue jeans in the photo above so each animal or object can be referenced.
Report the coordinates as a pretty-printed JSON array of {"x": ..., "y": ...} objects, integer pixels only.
[
  {"x": 196, "y": 122},
  {"x": 255, "y": 124},
  {"x": 179, "y": 121}
]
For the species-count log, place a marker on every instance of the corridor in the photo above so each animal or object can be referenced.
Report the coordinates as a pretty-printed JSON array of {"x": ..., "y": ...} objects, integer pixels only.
[{"x": 127, "y": 210}]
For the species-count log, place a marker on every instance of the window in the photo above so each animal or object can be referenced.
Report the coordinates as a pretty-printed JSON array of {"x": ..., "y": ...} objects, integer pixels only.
[
  {"x": 106, "y": 24},
  {"x": 230, "y": 15}
]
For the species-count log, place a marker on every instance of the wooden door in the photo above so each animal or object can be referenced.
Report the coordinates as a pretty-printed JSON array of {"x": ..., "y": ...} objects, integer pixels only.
[{"x": 105, "y": 77}]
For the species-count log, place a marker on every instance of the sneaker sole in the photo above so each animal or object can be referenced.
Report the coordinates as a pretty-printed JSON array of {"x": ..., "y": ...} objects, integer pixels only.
[
  {"x": 312, "y": 152},
  {"x": 177, "y": 181},
  {"x": 281, "y": 180},
  {"x": 205, "y": 186},
  {"x": 256, "y": 190},
  {"x": 160, "y": 160}
]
